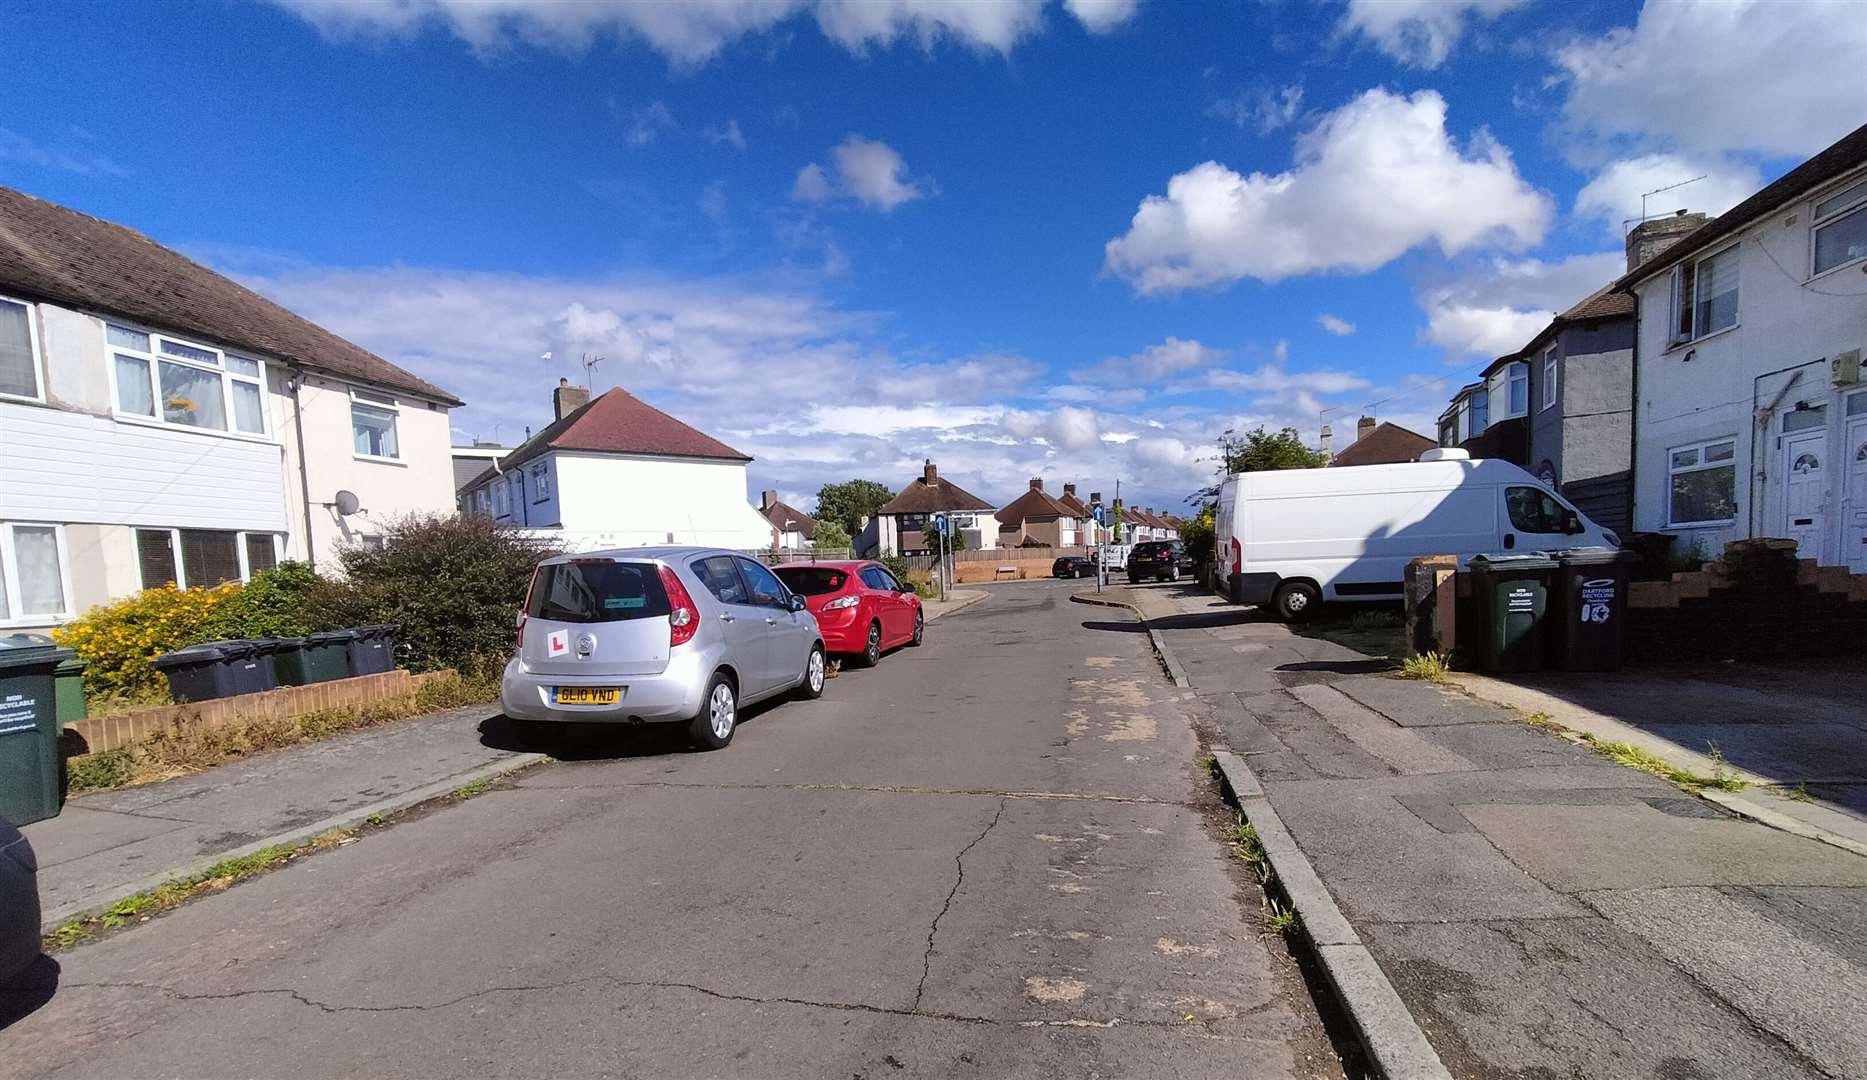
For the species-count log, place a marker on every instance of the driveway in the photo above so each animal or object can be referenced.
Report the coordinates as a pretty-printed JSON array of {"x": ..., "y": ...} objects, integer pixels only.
[{"x": 992, "y": 856}]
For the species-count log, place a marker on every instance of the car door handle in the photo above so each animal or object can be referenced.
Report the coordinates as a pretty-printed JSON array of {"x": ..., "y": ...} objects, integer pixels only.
[
  {"x": 771, "y": 620},
  {"x": 727, "y": 616}
]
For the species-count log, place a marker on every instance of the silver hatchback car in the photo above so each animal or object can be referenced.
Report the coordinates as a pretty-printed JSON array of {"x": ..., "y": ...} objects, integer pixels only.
[{"x": 658, "y": 635}]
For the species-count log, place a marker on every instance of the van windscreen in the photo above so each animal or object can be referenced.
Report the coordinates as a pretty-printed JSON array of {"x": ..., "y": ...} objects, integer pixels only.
[{"x": 597, "y": 590}]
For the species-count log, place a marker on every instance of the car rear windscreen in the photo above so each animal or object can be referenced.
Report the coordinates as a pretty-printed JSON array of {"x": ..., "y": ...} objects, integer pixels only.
[
  {"x": 597, "y": 590},
  {"x": 812, "y": 580}
]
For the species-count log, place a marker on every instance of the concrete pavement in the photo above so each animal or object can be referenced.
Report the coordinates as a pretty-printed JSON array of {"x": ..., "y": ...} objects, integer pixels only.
[
  {"x": 1541, "y": 911},
  {"x": 990, "y": 856}
]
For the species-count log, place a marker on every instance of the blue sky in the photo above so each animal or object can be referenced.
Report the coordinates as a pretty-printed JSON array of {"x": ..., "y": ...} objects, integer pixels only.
[{"x": 1074, "y": 240}]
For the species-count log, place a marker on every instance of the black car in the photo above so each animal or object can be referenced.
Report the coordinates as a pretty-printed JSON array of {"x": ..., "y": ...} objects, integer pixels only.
[
  {"x": 1073, "y": 566},
  {"x": 19, "y": 903},
  {"x": 1158, "y": 560}
]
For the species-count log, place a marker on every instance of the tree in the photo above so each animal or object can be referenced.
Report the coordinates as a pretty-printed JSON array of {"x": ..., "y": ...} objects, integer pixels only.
[
  {"x": 955, "y": 536},
  {"x": 849, "y": 502},
  {"x": 831, "y": 537},
  {"x": 1261, "y": 451}
]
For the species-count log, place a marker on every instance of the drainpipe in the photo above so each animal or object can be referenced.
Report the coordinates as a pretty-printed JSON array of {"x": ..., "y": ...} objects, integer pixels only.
[
  {"x": 304, "y": 478},
  {"x": 1633, "y": 428}
]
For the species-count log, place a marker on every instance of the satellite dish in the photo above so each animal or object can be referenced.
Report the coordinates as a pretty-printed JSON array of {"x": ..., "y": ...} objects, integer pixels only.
[{"x": 347, "y": 503}]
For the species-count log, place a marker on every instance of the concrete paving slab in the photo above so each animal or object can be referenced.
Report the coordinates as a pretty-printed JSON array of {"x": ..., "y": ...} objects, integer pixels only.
[
  {"x": 1829, "y": 917},
  {"x": 1579, "y": 848},
  {"x": 1574, "y": 997},
  {"x": 1411, "y": 703},
  {"x": 1400, "y": 748},
  {"x": 1506, "y": 746},
  {"x": 85, "y": 832},
  {"x": 1812, "y": 997},
  {"x": 1315, "y": 749},
  {"x": 1814, "y": 752}
]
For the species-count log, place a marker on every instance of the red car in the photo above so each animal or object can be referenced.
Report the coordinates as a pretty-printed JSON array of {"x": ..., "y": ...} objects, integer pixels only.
[{"x": 861, "y": 609}]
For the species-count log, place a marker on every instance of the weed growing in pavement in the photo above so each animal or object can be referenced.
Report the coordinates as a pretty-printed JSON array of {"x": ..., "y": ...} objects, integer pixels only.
[
  {"x": 1722, "y": 776},
  {"x": 469, "y": 790},
  {"x": 1247, "y": 846},
  {"x": 1542, "y": 720},
  {"x": 1427, "y": 667},
  {"x": 1209, "y": 765},
  {"x": 1635, "y": 758},
  {"x": 1799, "y": 793},
  {"x": 221, "y": 875},
  {"x": 1281, "y": 919}
]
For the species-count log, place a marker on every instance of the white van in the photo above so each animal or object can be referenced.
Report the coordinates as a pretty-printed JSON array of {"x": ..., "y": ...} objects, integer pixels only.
[{"x": 1288, "y": 539}]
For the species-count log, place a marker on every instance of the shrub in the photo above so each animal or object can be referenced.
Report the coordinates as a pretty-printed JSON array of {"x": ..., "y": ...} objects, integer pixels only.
[
  {"x": 272, "y": 604},
  {"x": 453, "y": 584},
  {"x": 831, "y": 537},
  {"x": 117, "y": 641},
  {"x": 898, "y": 566}
]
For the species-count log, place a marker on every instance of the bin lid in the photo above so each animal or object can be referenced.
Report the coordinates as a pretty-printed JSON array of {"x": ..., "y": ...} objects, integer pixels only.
[
  {"x": 1509, "y": 560},
  {"x": 1591, "y": 556},
  {"x": 377, "y": 629},
  {"x": 330, "y": 637},
  {"x": 207, "y": 652},
  {"x": 283, "y": 644},
  {"x": 30, "y": 650}
]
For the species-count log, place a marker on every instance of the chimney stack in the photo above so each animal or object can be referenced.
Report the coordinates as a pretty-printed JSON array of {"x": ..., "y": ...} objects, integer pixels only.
[
  {"x": 766, "y": 500},
  {"x": 567, "y": 399},
  {"x": 929, "y": 474},
  {"x": 1655, "y": 235},
  {"x": 1364, "y": 427},
  {"x": 1328, "y": 440},
  {"x": 1037, "y": 483},
  {"x": 1069, "y": 490},
  {"x": 1095, "y": 498}
]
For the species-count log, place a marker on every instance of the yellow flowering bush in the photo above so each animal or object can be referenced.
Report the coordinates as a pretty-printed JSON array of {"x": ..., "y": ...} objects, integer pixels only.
[{"x": 117, "y": 641}]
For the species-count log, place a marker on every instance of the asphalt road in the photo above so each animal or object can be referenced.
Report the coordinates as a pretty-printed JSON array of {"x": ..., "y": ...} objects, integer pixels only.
[{"x": 992, "y": 856}]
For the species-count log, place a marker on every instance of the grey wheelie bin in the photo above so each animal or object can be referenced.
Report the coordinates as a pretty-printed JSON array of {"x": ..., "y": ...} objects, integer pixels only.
[
  {"x": 373, "y": 651},
  {"x": 217, "y": 669},
  {"x": 1584, "y": 629}
]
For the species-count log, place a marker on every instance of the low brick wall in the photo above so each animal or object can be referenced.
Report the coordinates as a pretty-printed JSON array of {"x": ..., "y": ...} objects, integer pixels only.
[
  {"x": 121, "y": 729},
  {"x": 1758, "y": 602}
]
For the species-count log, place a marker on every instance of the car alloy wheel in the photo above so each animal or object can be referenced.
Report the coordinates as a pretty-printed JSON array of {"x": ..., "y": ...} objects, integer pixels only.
[
  {"x": 813, "y": 676},
  {"x": 722, "y": 711},
  {"x": 920, "y": 627},
  {"x": 872, "y": 652}
]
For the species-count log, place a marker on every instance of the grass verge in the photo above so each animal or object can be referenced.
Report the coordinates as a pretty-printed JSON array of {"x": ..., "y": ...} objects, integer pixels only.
[
  {"x": 182, "y": 750},
  {"x": 169, "y": 894}
]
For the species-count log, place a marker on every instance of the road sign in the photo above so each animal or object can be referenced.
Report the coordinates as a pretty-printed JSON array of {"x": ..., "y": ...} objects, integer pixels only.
[
  {"x": 1101, "y": 516},
  {"x": 940, "y": 524}
]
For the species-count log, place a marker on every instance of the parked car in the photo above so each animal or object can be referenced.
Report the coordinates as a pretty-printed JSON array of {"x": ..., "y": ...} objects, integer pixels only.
[
  {"x": 1159, "y": 560},
  {"x": 1073, "y": 566},
  {"x": 658, "y": 635},
  {"x": 1293, "y": 538},
  {"x": 19, "y": 903},
  {"x": 862, "y": 610}
]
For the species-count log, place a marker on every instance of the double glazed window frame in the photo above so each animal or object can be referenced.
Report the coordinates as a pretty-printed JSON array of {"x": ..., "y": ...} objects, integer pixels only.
[
  {"x": 1847, "y": 201},
  {"x": 1551, "y": 377},
  {"x": 10, "y": 578},
  {"x": 382, "y": 405},
  {"x": 233, "y": 371},
  {"x": 36, "y": 360},
  {"x": 242, "y": 539},
  {"x": 1702, "y": 460},
  {"x": 1686, "y": 290}
]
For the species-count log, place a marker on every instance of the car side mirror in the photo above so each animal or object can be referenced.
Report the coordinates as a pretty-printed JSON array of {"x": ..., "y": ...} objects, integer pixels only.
[{"x": 797, "y": 603}]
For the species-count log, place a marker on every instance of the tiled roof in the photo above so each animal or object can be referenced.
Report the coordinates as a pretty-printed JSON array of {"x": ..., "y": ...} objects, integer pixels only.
[
  {"x": 780, "y": 512},
  {"x": 50, "y": 253},
  {"x": 618, "y": 422},
  {"x": 1034, "y": 503},
  {"x": 1387, "y": 444},
  {"x": 1845, "y": 155},
  {"x": 1603, "y": 303},
  {"x": 922, "y": 496}
]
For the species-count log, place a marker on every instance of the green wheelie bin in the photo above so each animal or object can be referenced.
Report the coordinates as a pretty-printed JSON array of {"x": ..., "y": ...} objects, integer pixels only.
[
  {"x": 1510, "y": 594},
  {"x": 29, "y": 730}
]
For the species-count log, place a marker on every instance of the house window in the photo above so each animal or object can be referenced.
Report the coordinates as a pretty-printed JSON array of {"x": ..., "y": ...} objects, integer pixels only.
[
  {"x": 1703, "y": 483},
  {"x": 1549, "y": 378},
  {"x": 1519, "y": 390},
  {"x": 1704, "y": 299},
  {"x": 1840, "y": 229},
  {"x": 19, "y": 352},
  {"x": 1449, "y": 430},
  {"x": 501, "y": 503},
  {"x": 1481, "y": 414},
  {"x": 186, "y": 558},
  {"x": 372, "y": 422},
  {"x": 541, "y": 483},
  {"x": 175, "y": 382},
  {"x": 32, "y": 573}
]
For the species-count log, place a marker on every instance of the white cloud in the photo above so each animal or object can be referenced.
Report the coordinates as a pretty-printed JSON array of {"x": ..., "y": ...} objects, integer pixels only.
[
  {"x": 1154, "y": 363},
  {"x": 727, "y": 133},
  {"x": 1263, "y": 109},
  {"x": 996, "y": 25},
  {"x": 1738, "y": 75},
  {"x": 712, "y": 202},
  {"x": 1613, "y": 196},
  {"x": 1498, "y": 310},
  {"x": 1372, "y": 180},
  {"x": 1337, "y": 326},
  {"x": 648, "y": 122},
  {"x": 812, "y": 184},
  {"x": 1418, "y": 32},
  {"x": 1101, "y": 16},
  {"x": 1272, "y": 378},
  {"x": 18, "y": 148},
  {"x": 868, "y": 171}
]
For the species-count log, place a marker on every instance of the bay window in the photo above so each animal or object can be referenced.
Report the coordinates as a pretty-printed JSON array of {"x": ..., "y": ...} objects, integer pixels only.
[
  {"x": 1518, "y": 402},
  {"x": 1703, "y": 483},
  {"x": 19, "y": 352},
  {"x": 1549, "y": 378},
  {"x": 171, "y": 381},
  {"x": 1704, "y": 296},
  {"x": 1839, "y": 227},
  {"x": 187, "y": 558},
  {"x": 32, "y": 573}
]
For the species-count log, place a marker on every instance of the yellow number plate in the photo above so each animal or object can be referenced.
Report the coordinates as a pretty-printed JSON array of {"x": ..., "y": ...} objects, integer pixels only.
[{"x": 588, "y": 695}]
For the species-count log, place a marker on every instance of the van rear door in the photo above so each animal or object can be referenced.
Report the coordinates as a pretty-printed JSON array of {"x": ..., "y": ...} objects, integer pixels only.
[{"x": 596, "y": 617}]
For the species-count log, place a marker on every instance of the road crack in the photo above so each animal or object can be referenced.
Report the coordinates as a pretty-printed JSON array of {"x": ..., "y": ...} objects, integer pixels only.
[{"x": 959, "y": 864}]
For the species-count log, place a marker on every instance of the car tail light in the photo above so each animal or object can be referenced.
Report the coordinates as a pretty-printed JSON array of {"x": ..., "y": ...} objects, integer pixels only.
[
  {"x": 1238, "y": 556},
  {"x": 842, "y": 602},
  {"x": 683, "y": 616}
]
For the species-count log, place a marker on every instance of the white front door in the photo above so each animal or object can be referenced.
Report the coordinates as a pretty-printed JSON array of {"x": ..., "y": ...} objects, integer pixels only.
[
  {"x": 1805, "y": 473},
  {"x": 1854, "y": 495}
]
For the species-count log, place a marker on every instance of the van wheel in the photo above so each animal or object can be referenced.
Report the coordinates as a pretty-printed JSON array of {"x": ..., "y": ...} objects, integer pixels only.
[
  {"x": 1296, "y": 601},
  {"x": 713, "y": 726}
]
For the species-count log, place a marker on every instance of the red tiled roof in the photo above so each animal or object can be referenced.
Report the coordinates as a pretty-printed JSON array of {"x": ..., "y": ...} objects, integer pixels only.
[
  {"x": 780, "y": 512},
  {"x": 50, "y": 253},
  {"x": 1034, "y": 503},
  {"x": 923, "y": 496},
  {"x": 618, "y": 422},
  {"x": 1387, "y": 444}
]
